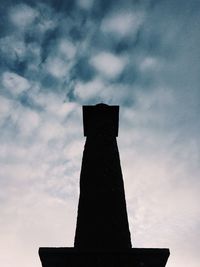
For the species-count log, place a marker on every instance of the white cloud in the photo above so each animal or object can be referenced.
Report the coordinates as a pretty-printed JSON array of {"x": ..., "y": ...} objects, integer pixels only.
[
  {"x": 46, "y": 24},
  {"x": 50, "y": 130},
  {"x": 161, "y": 198},
  {"x": 149, "y": 63},
  {"x": 28, "y": 121},
  {"x": 25, "y": 121},
  {"x": 31, "y": 169},
  {"x": 57, "y": 67},
  {"x": 47, "y": 18},
  {"x": 15, "y": 83},
  {"x": 85, "y": 4},
  {"x": 122, "y": 23},
  {"x": 67, "y": 49},
  {"x": 15, "y": 51},
  {"x": 60, "y": 60},
  {"x": 22, "y": 15},
  {"x": 99, "y": 90},
  {"x": 89, "y": 89},
  {"x": 44, "y": 99},
  {"x": 38, "y": 221},
  {"x": 53, "y": 104},
  {"x": 12, "y": 47},
  {"x": 61, "y": 110},
  {"x": 108, "y": 64},
  {"x": 5, "y": 107},
  {"x": 74, "y": 149}
]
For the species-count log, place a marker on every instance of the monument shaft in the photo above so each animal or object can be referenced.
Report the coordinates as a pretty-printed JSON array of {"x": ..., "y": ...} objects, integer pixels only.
[{"x": 102, "y": 221}]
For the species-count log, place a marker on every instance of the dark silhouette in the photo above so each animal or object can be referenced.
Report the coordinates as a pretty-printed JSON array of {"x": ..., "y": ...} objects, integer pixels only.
[
  {"x": 102, "y": 233},
  {"x": 102, "y": 219}
]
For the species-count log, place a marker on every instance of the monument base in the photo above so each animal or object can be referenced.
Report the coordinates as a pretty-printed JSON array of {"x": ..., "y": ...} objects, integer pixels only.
[{"x": 134, "y": 257}]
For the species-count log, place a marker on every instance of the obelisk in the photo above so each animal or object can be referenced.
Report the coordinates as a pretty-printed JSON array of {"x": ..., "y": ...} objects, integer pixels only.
[
  {"x": 102, "y": 237},
  {"x": 102, "y": 217}
]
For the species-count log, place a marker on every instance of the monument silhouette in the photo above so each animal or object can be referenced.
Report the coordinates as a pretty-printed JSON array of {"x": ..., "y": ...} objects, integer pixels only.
[{"x": 102, "y": 237}]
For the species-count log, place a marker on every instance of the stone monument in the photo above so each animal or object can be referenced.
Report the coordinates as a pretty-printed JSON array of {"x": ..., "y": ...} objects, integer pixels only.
[{"x": 102, "y": 237}]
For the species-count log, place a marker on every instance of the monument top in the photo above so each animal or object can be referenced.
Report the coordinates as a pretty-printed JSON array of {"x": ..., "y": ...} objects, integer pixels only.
[{"x": 100, "y": 119}]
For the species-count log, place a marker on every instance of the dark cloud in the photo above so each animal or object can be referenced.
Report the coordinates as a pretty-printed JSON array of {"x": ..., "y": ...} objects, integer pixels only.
[{"x": 84, "y": 70}]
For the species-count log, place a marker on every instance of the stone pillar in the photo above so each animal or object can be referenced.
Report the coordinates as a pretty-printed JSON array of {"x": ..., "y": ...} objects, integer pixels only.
[{"x": 102, "y": 221}]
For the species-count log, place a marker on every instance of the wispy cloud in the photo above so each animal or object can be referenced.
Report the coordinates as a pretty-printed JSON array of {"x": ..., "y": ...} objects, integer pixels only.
[
  {"x": 22, "y": 15},
  {"x": 108, "y": 64}
]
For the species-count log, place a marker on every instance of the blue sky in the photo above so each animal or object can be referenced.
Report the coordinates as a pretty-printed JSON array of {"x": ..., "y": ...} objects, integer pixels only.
[{"x": 56, "y": 56}]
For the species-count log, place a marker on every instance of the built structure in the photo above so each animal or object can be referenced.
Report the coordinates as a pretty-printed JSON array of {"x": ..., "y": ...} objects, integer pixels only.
[{"x": 102, "y": 237}]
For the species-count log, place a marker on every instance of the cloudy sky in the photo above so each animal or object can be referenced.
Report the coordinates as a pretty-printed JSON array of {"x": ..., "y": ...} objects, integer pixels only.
[{"x": 56, "y": 56}]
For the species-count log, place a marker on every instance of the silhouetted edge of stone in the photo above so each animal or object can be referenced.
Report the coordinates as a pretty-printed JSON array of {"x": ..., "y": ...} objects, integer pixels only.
[{"x": 151, "y": 257}]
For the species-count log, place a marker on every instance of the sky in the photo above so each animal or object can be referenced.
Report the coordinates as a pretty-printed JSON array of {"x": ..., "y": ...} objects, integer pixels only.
[{"x": 56, "y": 56}]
